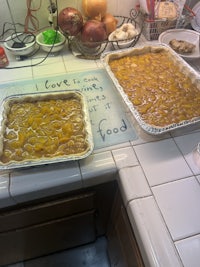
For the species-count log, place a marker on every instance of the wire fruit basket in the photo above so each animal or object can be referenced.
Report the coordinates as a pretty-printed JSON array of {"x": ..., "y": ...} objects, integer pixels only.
[{"x": 84, "y": 50}]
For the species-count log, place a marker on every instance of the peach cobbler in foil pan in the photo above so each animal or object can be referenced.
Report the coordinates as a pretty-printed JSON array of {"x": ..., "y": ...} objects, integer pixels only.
[
  {"x": 44, "y": 128},
  {"x": 161, "y": 90}
]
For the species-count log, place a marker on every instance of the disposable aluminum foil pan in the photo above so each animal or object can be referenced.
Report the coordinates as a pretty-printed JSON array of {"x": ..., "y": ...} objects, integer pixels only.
[
  {"x": 183, "y": 66},
  {"x": 56, "y": 157}
]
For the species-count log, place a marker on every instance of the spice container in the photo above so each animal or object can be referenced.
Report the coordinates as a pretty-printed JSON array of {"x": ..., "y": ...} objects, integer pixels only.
[{"x": 3, "y": 58}]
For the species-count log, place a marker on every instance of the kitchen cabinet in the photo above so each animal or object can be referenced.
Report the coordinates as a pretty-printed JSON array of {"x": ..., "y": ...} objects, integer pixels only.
[
  {"x": 122, "y": 245},
  {"x": 36, "y": 229},
  {"x": 67, "y": 221}
]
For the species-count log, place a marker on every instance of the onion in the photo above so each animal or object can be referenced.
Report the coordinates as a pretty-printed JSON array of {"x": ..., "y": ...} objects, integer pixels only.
[
  {"x": 70, "y": 21},
  {"x": 93, "y": 31},
  {"x": 110, "y": 23},
  {"x": 94, "y": 9}
]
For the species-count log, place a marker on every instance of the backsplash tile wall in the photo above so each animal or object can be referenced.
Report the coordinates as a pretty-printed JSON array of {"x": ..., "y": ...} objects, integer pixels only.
[{"x": 19, "y": 9}]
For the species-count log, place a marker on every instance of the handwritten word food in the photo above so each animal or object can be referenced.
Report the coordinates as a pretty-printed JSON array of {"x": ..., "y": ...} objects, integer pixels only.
[
  {"x": 182, "y": 47},
  {"x": 48, "y": 128},
  {"x": 161, "y": 93}
]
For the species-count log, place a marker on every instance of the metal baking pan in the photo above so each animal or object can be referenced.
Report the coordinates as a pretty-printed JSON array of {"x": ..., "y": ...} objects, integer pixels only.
[
  {"x": 183, "y": 67},
  {"x": 72, "y": 120}
]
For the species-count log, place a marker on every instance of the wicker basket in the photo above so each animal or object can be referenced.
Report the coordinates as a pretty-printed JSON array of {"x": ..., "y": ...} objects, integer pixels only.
[{"x": 152, "y": 29}]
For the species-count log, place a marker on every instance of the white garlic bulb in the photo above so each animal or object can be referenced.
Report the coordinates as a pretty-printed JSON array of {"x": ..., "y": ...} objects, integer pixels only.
[{"x": 126, "y": 31}]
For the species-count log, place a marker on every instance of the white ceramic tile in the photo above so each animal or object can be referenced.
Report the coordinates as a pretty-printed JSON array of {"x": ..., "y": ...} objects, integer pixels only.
[
  {"x": 39, "y": 182},
  {"x": 185, "y": 130},
  {"x": 5, "y": 198},
  {"x": 195, "y": 159},
  {"x": 99, "y": 64},
  {"x": 98, "y": 168},
  {"x": 153, "y": 237},
  {"x": 51, "y": 66},
  {"x": 187, "y": 145},
  {"x": 124, "y": 157},
  {"x": 189, "y": 249},
  {"x": 162, "y": 161},
  {"x": 133, "y": 183},
  {"x": 179, "y": 204},
  {"x": 73, "y": 63},
  {"x": 13, "y": 73},
  {"x": 12, "y": 59},
  {"x": 198, "y": 178},
  {"x": 114, "y": 147},
  {"x": 143, "y": 136}
]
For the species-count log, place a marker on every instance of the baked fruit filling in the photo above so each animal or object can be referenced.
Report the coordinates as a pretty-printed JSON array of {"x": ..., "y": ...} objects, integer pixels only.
[
  {"x": 36, "y": 129},
  {"x": 161, "y": 92}
]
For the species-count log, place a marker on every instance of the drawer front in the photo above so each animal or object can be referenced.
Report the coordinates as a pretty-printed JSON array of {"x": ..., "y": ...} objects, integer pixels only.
[
  {"x": 46, "y": 238},
  {"x": 44, "y": 212}
]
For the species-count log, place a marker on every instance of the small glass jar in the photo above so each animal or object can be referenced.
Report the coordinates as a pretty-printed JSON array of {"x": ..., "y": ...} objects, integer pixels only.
[{"x": 3, "y": 58}]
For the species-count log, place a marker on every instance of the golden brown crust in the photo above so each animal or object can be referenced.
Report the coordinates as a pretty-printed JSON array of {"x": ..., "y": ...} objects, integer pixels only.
[
  {"x": 163, "y": 94},
  {"x": 43, "y": 127}
]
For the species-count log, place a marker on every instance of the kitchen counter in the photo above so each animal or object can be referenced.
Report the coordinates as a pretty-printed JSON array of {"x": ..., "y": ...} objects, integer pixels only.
[{"x": 158, "y": 177}]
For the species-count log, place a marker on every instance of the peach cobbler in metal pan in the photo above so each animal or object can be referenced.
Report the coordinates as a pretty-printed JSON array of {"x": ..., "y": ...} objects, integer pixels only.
[{"x": 38, "y": 127}]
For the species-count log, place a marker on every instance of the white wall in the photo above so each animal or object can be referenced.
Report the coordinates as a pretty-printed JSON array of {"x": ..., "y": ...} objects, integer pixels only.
[{"x": 19, "y": 10}]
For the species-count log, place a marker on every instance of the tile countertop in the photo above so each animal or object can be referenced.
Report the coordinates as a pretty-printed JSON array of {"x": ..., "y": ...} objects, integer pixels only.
[{"x": 158, "y": 177}]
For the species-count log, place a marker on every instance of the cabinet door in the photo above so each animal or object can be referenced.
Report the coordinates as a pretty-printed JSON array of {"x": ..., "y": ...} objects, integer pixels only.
[
  {"x": 41, "y": 213},
  {"x": 45, "y": 238},
  {"x": 122, "y": 245}
]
